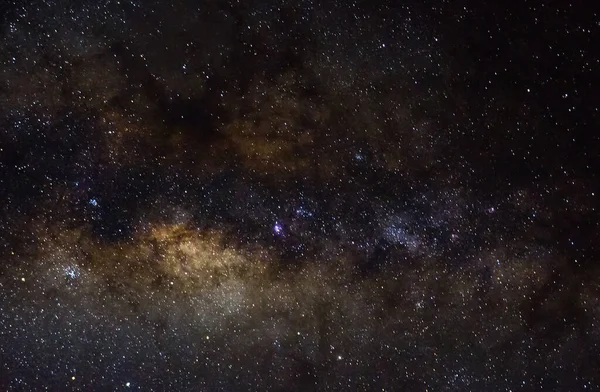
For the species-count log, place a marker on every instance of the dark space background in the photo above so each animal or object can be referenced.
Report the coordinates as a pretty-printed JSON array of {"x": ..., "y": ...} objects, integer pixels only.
[{"x": 299, "y": 195}]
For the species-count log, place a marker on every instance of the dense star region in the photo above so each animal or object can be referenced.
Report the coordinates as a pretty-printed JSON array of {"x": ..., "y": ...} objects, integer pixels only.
[{"x": 299, "y": 195}]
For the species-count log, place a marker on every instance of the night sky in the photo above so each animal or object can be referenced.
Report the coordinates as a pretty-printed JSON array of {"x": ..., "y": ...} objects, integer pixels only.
[{"x": 299, "y": 195}]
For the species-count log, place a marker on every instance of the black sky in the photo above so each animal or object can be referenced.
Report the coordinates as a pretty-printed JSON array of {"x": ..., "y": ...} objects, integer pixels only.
[{"x": 273, "y": 195}]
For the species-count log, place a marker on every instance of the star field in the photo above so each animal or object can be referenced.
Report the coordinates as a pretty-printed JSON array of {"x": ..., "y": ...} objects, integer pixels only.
[{"x": 274, "y": 195}]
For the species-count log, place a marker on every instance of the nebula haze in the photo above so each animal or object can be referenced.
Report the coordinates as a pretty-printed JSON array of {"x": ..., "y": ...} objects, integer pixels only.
[{"x": 275, "y": 195}]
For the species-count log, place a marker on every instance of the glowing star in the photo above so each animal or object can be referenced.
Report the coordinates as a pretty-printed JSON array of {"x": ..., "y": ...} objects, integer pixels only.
[
  {"x": 93, "y": 202},
  {"x": 277, "y": 228},
  {"x": 127, "y": 384}
]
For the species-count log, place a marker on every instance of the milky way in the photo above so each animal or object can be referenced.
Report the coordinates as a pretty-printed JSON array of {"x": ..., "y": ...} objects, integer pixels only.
[{"x": 274, "y": 195}]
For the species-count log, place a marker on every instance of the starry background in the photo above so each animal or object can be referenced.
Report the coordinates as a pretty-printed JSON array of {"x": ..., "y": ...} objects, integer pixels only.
[{"x": 287, "y": 195}]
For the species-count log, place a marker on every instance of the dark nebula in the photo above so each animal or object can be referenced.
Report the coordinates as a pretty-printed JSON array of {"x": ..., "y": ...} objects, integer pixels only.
[{"x": 289, "y": 195}]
